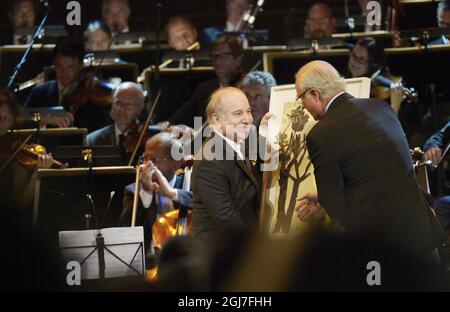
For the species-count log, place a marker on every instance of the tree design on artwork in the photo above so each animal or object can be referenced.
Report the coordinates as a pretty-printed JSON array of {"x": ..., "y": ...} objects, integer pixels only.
[{"x": 292, "y": 153}]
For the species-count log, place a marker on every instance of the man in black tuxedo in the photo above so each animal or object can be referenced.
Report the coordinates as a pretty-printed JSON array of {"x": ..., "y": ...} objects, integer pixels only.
[
  {"x": 227, "y": 56},
  {"x": 224, "y": 186},
  {"x": 363, "y": 167}
]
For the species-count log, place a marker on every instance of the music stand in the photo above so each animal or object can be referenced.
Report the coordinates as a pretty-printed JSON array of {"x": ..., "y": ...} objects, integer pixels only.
[
  {"x": 102, "y": 156},
  {"x": 177, "y": 86},
  {"x": 60, "y": 202},
  {"x": 117, "y": 252},
  {"x": 126, "y": 72},
  {"x": 52, "y": 138}
]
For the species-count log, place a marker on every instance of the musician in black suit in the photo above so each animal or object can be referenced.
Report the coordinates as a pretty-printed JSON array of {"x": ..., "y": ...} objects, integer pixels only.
[
  {"x": 68, "y": 63},
  {"x": 163, "y": 187},
  {"x": 434, "y": 147},
  {"x": 227, "y": 57},
  {"x": 224, "y": 186},
  {"x": 363, "y": 168}
]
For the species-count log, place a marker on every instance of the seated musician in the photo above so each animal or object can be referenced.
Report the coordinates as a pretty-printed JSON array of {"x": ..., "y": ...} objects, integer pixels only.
[
  {"x": 68, "y": 63},
  {"x": 434, "y": 147},
  {"x": 235, "y": 10},
  {"x": 365, "y": 59},
  {"x": 319, "y": 23},
  {"x": 161, "y": 184},
  {"x": 256, "y": 86},
  {"x": 181, "y": 33},
  {"x": 443, "y": 21},
  {"x": 227, "y": 56},
  {"x": 16, "y": 179},
  {"x": 127, "y": 105},
  {"x": 22, "y": 14},
  {"x": 97, "y": 37},
  {"x": 116, "y": 14}
]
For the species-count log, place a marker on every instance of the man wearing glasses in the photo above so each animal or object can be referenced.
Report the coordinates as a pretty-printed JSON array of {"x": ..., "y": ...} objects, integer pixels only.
[
  {"x": 163, "y": 187},
  {"x": 127, "y": 104},
  {"x": 363, "y": 169},
  {"x": 227, "y": 56},
  {"x": 320, "y": 22}
]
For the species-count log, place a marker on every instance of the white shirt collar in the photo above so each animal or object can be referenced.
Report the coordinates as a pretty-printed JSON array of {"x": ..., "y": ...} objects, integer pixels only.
[
  {"x": 230, "y": 26},
  {"x": 334, "y": 98},
  {"x": 235, "y": 146}
]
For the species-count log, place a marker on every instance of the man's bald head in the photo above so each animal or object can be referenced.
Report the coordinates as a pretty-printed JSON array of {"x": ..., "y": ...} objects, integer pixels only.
[{"x": 320, "y": 21}]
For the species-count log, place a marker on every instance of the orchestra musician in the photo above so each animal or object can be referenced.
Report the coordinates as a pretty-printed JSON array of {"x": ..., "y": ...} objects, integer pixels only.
[
  {"x": 320, "y": 21},
  {"x": 21, "y": 14},
  {"x": 161, "y": 187},
  {"x": 16, "y": 179},
  {"x": 127, "y": 105},
  {"x": 116, "y": 14},
  {"x": 68, "y": 63},
  {"x": 227, "y": 56},
  {"x": 97, "y": 36}
]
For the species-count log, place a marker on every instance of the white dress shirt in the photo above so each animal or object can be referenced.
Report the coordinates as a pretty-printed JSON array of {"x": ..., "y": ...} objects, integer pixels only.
[{"x": 331, "y": 101}]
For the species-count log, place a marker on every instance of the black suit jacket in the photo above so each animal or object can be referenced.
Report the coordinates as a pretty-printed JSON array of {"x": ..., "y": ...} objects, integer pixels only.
[
  {"x": 103, "y": 136},
  {"x": 45, "y": 95},
  {"x": 364, "y": 173},
  {"x": 196, "y": 105},
  {"x": 439, "y": 139},
  {"x": 225, "y": 192}
]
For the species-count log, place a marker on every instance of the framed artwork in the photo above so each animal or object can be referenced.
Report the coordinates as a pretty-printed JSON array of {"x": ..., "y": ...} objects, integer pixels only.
[{"x": 293, "y": 174}]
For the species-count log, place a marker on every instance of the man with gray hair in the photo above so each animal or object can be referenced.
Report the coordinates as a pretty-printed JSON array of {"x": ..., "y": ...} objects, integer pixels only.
[
  {"x": 256, "y": 86},
  {"x": 363, "y": 169},
  {"x": 127, "y": 104}
]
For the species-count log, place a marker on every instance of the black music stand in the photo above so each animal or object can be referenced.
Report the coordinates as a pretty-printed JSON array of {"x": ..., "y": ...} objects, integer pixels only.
[
  {"x": 102, "y": 156},
  {"x": 60, "y": 202}
]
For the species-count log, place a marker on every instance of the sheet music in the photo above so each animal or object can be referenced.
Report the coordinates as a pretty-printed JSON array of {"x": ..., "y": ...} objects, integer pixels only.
[{"x": 123, "y": 242}]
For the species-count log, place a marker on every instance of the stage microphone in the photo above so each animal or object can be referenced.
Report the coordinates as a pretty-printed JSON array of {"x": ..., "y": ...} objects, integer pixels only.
[
  {"x": 89, "y": 197},
  {"x": 111, "y": 195}
]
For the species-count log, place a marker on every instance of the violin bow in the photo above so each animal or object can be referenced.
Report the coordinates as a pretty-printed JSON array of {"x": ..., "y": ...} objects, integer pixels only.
[{"x": 141, "y": 135}]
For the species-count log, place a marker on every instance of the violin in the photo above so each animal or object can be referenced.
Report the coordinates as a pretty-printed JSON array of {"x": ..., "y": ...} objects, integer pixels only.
[
  {"x": 91, "y": 90},
  {"x": 383, "y": 86},
  {"x": 29, "y": 155}
]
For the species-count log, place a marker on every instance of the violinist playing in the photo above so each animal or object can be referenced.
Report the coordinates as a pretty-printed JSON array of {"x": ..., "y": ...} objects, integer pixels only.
[
  {"x": 162, "y": 185},
  {"x": 367, "y": 58},
  {"x": 127, "y": 105},
  {"x": 16, "y": 180},
  {"x": 68, "y": 63}
]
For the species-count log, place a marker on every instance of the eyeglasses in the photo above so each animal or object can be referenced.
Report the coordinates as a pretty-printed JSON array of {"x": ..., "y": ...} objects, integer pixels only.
[
  {"x": 126, "y": 106},
  {"x": 222, "y": 56},
  {"x": 359, "y": 59},
  {"x": 317, "y": 21},
  {"x": 144, "y": 159},
  {"x": 300, "y": 97}
]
